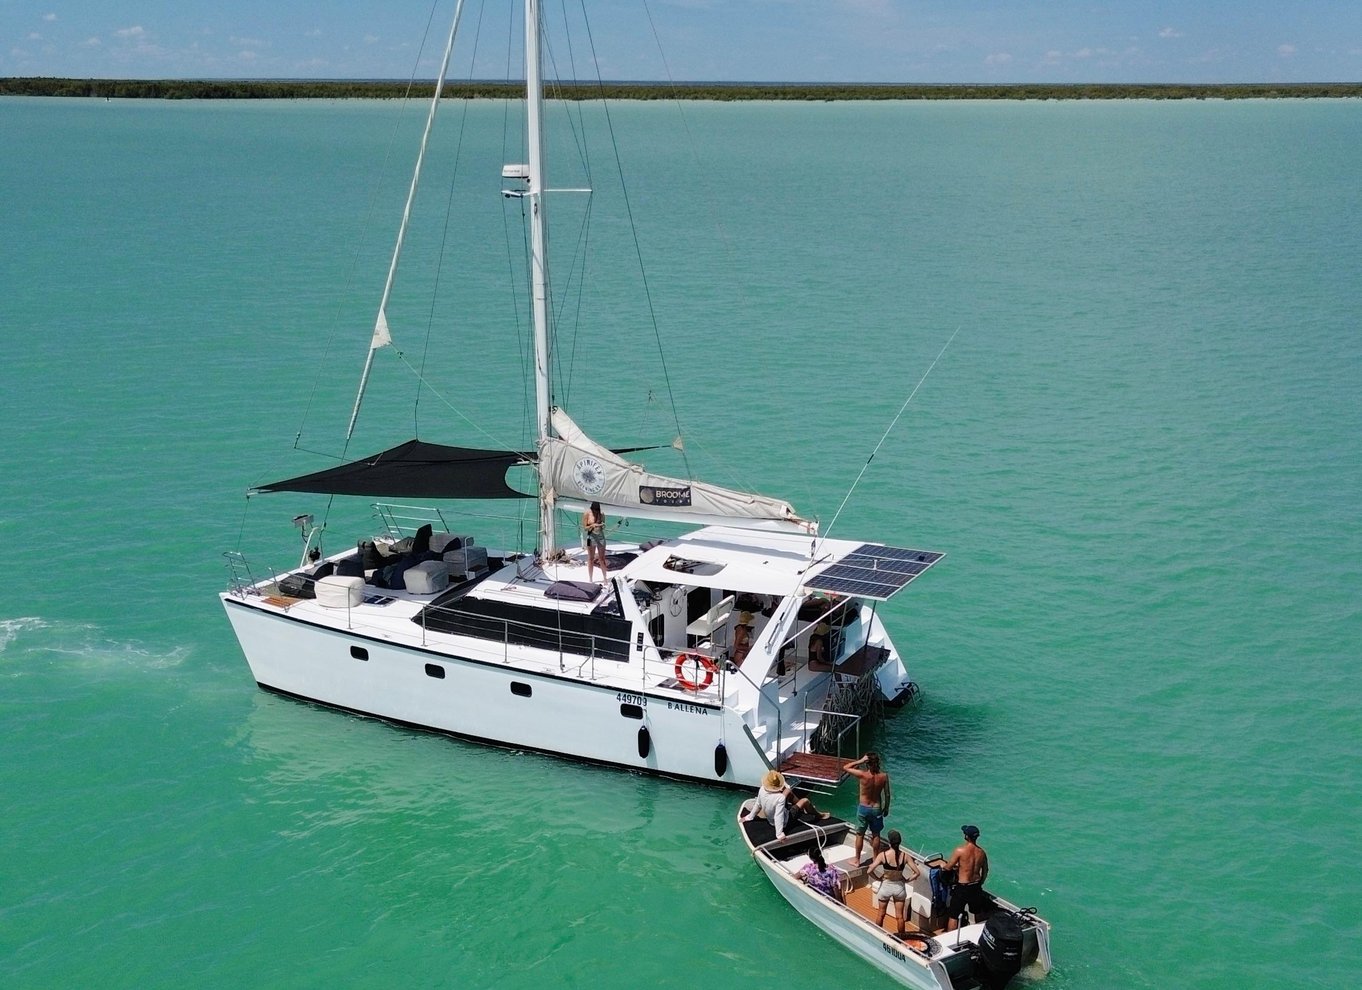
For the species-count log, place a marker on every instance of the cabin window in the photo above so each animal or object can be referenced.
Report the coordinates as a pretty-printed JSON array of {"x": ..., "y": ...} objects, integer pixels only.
[
  {"x": 359, "y": 653},
  {"x": 435, "y": 670},
  {"x": 521, "y": 690},
  {"x": 631, "y": 711}
]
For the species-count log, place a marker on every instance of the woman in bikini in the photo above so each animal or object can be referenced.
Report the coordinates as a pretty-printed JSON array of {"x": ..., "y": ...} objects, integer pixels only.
[{"x": 893, "y": 864}]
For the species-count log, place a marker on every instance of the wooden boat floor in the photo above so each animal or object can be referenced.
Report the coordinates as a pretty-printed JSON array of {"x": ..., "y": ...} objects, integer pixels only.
[{"x": 862, "y": 901}]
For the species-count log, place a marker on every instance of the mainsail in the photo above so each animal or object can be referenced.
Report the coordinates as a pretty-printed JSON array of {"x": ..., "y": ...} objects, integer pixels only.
[{"x": 574, "y": 467}]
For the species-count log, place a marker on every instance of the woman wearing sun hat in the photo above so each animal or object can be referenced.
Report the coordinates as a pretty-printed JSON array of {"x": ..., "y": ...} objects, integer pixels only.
[{"x": 773, "y": 802}]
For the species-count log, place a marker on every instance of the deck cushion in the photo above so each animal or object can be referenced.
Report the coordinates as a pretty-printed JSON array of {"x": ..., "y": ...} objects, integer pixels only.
[
  {"x": 427, "y": 578},
  {"x": 340, "y": 592}
]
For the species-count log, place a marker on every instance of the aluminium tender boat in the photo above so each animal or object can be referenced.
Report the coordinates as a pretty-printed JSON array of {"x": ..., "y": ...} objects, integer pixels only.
[{"x": 985, "y": 952}]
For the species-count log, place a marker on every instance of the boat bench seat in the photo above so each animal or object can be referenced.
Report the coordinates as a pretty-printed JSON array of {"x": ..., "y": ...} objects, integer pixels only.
[{"x": 838, "y": 856}]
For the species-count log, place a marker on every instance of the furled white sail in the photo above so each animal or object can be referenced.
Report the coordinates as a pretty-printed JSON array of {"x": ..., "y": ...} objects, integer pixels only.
[{"x": 572, "y": 466}]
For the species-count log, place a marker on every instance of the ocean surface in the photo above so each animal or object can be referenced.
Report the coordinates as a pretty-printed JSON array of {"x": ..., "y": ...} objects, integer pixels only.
[{"x": 1140, "y": 451}]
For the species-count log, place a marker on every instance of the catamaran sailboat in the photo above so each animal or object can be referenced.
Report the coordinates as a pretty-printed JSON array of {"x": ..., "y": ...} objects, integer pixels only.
[{"x": 747, "y": 643}]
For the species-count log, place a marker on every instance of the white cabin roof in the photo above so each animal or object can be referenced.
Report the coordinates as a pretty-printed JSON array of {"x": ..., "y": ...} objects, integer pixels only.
[
  {"x": 756, "y": 562},
  {"x": 762, "y": 563}
]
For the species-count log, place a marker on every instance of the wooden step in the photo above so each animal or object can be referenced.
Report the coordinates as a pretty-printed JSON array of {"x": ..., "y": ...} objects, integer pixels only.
[{"x": 815, "y": 768}]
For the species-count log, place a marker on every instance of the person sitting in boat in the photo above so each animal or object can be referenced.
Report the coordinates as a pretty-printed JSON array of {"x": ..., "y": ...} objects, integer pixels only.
[
  {"x": 819, "y": 876},
  {"x": 774, "y": 801},
  {"x": 891, "y": 867},
  {"x": 970, "y": 863},
  {"x": 742, "y": 638},
  {"x": 593, "y": 528}
]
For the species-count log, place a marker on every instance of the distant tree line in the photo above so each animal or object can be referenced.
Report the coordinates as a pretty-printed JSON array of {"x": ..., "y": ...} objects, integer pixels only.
[{"x": 262, "y": 89}]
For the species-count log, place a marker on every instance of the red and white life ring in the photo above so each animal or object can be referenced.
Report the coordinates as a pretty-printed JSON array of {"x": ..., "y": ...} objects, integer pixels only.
[{"x": 707, "y": 667}]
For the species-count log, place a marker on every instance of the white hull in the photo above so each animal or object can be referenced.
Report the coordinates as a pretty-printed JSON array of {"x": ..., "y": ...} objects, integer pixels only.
[
  {"x": 637, "y": 676},
  {"x": 873, "y": 945},
  {"x": 564, "y": 714}
]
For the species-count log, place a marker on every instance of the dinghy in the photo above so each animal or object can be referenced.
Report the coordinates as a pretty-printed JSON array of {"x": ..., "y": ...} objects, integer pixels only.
[{"x": 986, "y": 951}]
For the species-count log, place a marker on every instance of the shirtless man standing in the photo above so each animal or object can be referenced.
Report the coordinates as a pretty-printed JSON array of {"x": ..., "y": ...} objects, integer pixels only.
[
  {"x": 971, "y": 863},
  {"x": 874, "y": 782}
]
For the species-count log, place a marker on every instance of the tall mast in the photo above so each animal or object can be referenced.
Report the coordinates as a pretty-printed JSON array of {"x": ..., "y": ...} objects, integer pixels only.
[{"x": 539, "y": 265}]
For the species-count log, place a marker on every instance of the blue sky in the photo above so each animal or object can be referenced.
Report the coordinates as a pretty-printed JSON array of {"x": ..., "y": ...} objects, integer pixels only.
[{"x": 946, "y": 41}]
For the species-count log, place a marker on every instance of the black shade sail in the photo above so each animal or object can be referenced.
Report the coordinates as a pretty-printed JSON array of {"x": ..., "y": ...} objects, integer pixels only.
[{"x": 415, "y": 469}]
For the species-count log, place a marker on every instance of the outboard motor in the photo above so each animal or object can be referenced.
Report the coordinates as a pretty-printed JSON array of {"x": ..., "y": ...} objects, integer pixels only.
[{"x": 1000, "y": 949}]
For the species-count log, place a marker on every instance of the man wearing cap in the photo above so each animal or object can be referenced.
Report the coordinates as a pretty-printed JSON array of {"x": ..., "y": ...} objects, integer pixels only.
[{"x": 971, "y": 865}]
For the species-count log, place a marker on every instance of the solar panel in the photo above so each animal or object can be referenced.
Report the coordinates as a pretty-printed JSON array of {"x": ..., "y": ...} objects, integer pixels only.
[{"x": 873, "y": 571}]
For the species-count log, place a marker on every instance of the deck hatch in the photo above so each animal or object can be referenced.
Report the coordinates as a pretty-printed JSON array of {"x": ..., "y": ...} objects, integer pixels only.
[{"x": 873, "y": 570}]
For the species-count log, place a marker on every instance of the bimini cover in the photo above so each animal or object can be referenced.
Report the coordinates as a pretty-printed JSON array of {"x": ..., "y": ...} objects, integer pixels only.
[
  {"x": 415, "y": 469},
  {"x": 574, "y": 466}
]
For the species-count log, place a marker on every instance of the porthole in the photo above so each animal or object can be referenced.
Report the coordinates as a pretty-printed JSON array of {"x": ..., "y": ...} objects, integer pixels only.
[
  {"x": 631, "y": 711},
  {"x": 520, "y": 690},
  {"x": 435, "y": 670},
  {"x": 359, "y": 653}
]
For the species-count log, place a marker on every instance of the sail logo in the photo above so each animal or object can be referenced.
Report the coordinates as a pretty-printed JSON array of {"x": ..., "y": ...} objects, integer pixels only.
[
  {"x": 589, "y": 474},
  {"x": 655, "y": 495}
]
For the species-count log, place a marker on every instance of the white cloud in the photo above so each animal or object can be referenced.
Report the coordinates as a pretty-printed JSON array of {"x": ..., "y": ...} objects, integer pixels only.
[
  {"x": 1170, "y": 33},
  {"x": 34, "y": 36},
  {"x": 998, "y": 58},
  {"x": 49, "y": 17},
  {"x": 249, "y": 42},
  {"x": 1100, "y": 56},
  {"x": 91, "y": 43},
  {"x": 246, "y": 55},
  {"x": 370, "y": 39},
  {"x": 314, "y": 33},
  {"x": 1286, "y": 51},
  {"x": 131, "y": 32}
]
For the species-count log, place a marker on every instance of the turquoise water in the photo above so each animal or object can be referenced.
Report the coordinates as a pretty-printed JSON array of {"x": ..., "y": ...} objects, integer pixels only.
[{"x": 1139, "y": 660}]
